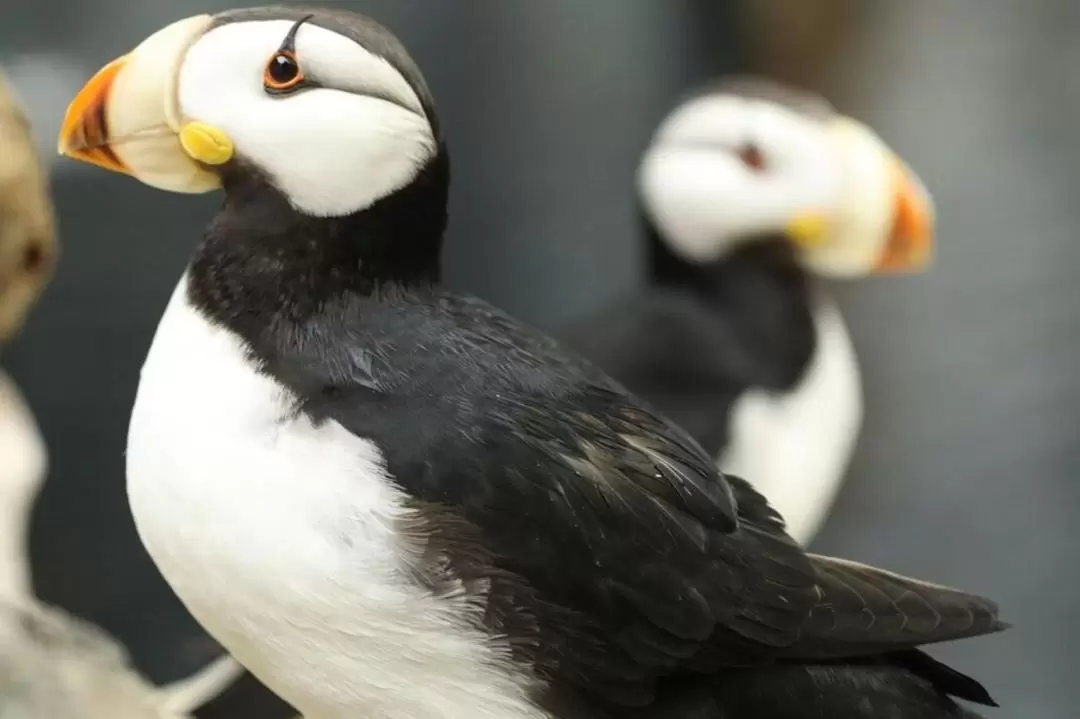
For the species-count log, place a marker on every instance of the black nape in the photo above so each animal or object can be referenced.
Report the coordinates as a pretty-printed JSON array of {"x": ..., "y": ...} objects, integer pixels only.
[
  {"x": 262, "y": 261},
  {"x": 760, "y": 291}
]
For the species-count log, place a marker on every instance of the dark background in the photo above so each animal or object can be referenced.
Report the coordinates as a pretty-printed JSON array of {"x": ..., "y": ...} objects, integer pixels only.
[{"x": 967, "y": 468}]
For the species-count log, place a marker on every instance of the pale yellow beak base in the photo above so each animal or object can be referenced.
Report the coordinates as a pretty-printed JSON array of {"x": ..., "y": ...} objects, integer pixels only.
[{"x": 126, "y": 119}]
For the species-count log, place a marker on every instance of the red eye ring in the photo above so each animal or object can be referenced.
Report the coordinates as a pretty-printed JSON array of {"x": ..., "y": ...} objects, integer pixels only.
[{"x": 282, "y": 72}]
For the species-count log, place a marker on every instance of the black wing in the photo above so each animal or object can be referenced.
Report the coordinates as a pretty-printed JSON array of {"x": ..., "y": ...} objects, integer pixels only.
[
  {"x": 871, "y": 689},
  {"x": 669, "y": 350},
  {"x": 606, "y": 544},
  {"x": 692, "y": 360}
]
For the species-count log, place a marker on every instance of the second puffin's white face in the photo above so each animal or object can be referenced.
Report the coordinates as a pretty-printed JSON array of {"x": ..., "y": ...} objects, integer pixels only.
[
  {"x": 724, "y": 169},
  {"x": 727, "y": 169},
  {"x": 350, "y": 131}
]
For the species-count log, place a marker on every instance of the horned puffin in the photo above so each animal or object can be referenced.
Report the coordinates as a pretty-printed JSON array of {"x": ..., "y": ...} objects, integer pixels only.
[
  {"x": 749, "y": 193},
  {"x": 388, "y": 499}
]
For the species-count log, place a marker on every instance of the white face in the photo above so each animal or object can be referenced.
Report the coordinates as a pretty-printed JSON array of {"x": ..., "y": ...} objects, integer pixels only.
[
  {"x": 723, "y": 169},
  {"x": 727, "y": 169},
  {"x": 354, "y": 135}
]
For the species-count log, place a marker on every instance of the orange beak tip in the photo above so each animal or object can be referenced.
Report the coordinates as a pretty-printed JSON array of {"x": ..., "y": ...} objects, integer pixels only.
[
  {"x": 84, "y": 133},
  {"x": 910, "y": 244}
]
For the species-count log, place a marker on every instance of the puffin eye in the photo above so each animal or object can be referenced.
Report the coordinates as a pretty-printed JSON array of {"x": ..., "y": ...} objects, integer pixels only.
[
  {"x": 282, "y": 73},
  {"x": 752, "y": 157}
]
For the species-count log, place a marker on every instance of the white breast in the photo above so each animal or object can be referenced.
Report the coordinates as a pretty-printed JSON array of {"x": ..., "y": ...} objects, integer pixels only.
[
  {"x": 795, "y": 447},
  {"x": 280, "y": 539}
]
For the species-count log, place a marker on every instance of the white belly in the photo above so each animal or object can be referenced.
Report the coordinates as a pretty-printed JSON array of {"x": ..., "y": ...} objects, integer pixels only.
[
  {"x": 280, "y": 539},
  {"x": 795, "y": 447}
]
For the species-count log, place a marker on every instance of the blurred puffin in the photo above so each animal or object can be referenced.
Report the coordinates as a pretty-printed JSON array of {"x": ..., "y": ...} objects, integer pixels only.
[
  {"x": 387, "y": 499},
  {"x": 749, "y": 192}
]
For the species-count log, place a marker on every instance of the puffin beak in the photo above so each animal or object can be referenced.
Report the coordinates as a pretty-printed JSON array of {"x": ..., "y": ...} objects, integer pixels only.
[
  {"x": 910, "y": 243},
  {"x": 83, "y": 135},
  {"x": 126, "y": 119}
]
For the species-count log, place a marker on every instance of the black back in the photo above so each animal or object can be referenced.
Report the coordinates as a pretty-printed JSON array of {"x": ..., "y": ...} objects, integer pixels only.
[
  {"x": 697, "y": 337},
  {"x": 601, "y": 538}
]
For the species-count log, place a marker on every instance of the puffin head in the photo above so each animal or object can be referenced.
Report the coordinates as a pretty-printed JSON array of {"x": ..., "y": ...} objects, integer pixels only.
[
  {"x": 749, "y": 161},
  {"x": 324, "y": 106}
]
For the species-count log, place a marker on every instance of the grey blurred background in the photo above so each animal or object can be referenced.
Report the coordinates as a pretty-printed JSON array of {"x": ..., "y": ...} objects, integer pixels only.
[{"x": 967, "y": 468}]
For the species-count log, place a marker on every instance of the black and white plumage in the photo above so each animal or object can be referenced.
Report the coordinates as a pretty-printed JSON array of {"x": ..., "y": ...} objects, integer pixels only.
[
  {"x": 750, "y": 192},
  {"x": 390, "y": 500}
]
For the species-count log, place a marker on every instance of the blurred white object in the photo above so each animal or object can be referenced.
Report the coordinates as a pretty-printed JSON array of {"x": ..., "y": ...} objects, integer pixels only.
[
  {"x": 23, "y": 464},
  {"x": 55, "y": 666},
  {"x": 52, "y": 665}
]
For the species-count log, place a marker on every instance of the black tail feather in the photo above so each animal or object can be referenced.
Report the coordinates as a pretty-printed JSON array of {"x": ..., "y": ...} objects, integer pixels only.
[{"x": 944, "y": 677}]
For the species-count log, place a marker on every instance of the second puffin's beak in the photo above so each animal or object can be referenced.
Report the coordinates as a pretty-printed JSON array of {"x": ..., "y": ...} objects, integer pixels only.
[
  {"x": 126, "y": 118},
  {"x": 910, "y": 243}
]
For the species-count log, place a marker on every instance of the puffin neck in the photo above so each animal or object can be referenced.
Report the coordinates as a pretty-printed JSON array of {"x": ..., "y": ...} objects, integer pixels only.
[
  {"x": 262, "y": 263},
  {"x": 760, "y": 295}
]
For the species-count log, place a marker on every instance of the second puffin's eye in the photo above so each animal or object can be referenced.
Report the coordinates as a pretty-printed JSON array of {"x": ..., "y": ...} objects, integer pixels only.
[
  {"x": 752, "y": 157},
  {"x": 282, "y": 72}
]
